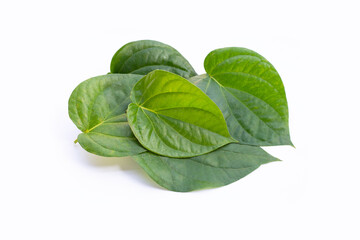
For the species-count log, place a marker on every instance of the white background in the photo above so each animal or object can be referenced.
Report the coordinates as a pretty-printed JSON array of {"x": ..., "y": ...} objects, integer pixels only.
[{"x": 51, "y": 188}]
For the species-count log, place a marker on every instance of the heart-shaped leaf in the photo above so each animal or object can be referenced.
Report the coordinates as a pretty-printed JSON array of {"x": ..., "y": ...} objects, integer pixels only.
[
  {"x": 218, "y": 168},
  {"x": 97, "y": 107},
  {"x": 172, "y": 117},
  {"x": 250, "y": 93},
  {"x": 142, "y": 57}
]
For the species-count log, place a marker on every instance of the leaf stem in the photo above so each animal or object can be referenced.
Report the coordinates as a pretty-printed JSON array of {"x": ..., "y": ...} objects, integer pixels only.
[{"x": 76, "y": 141}]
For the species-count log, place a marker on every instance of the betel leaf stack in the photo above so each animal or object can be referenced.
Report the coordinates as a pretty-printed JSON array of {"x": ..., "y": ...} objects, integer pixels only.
[{"x": 187, "y": 131}]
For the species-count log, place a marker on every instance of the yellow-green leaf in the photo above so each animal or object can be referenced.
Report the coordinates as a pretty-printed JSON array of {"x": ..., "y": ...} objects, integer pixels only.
[{"x": 172, "y": 117}]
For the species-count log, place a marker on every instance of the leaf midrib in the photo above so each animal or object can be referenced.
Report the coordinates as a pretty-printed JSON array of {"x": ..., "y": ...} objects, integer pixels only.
[
  {"x": 102, "y": 122},
  {"x": 159, "y": 114}
]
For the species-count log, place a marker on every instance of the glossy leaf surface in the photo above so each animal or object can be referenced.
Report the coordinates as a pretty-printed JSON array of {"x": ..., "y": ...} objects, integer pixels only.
[
  {"x": 218, "y": 168},
  {"x": 97, "y": 107},
  {"x": 142, "y": 57},
  {"x": 250, "y": 93},
  {"x": 172, "y": 117}
]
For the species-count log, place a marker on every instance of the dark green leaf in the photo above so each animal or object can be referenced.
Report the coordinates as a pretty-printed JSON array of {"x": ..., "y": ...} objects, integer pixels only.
[
  {"x": 218, "y": 168},
  {"x": 142, "y": 57},
  {"x": 172, "y": 117},
  {"x": 97, "y": 107},
  {"x": 250, "y": 93}
]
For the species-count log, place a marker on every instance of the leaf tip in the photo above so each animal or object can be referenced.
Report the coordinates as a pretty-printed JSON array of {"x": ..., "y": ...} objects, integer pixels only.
[{"x": 273, "y": 159}]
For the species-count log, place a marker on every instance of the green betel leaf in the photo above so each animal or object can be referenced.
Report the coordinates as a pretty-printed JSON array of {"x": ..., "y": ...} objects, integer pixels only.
[
  {"x": 218, "y": 168},
  {"x": 142, "y": 57},
  {"x": 172, "y": 117},
  {"x": 250, "y": 94},
  {"x": 97, "y": 107}
]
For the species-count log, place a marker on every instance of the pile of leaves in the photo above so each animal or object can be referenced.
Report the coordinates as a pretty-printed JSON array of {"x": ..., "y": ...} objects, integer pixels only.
[{"x": 187, "y": 131}]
